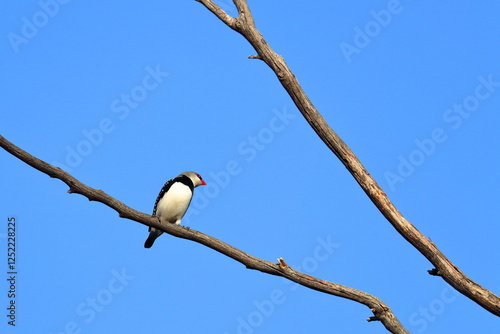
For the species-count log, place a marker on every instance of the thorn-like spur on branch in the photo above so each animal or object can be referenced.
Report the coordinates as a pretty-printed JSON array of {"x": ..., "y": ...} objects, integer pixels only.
[
  {"x": 434, "y": 272},
  {"x": 378, "y": 307},
  {"x": 245, "y": 25},
  {"x": 282, "y": 263}
]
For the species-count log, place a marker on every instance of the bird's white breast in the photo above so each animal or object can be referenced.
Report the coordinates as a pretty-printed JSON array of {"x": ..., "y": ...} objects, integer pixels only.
[{"x": 174, "y": 203}]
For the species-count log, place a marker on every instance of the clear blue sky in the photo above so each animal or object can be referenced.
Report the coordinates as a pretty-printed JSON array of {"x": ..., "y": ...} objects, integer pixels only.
[{"x": 126, "y": 96}]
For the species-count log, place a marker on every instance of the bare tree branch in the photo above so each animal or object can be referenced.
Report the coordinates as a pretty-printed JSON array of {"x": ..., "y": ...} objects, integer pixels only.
[
  {"x": 380, "y": 310},
  {"x": 244, "y": 24}
]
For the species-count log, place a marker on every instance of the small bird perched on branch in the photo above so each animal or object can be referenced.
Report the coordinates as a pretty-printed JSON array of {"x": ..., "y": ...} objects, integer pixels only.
[{"x": 173, "y": 201}]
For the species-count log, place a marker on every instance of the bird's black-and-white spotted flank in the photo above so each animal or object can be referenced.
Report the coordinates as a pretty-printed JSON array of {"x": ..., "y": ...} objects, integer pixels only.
[{"x": 173, "y": 201}]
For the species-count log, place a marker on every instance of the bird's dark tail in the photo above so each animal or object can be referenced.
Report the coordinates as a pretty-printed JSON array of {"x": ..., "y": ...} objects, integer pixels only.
[
  {"x": 153, "y": 234},
  {"x": 149, "y": 241}
]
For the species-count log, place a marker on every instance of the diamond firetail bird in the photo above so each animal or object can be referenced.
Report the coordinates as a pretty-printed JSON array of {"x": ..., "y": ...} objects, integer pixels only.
[{"x": 173, "y": 201}]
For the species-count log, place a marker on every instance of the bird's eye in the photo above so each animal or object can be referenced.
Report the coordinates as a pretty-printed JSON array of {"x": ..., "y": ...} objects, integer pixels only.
[{"x": 199, "y": 176}]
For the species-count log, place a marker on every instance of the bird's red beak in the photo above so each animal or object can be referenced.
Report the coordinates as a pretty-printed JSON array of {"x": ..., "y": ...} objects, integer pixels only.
[{"x": 203, "y": 183}]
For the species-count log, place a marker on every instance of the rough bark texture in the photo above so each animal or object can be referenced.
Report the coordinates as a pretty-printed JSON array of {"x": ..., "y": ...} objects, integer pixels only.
[
  {"x": 244, "y": 24},
  {"x": 380, "y": 310}
]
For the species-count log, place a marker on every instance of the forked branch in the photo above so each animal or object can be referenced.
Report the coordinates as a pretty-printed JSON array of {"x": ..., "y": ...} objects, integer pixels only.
[
  {"x": 244, "y": 24},
  {"x": 380, "y": 310}
]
